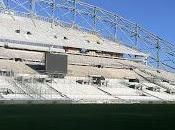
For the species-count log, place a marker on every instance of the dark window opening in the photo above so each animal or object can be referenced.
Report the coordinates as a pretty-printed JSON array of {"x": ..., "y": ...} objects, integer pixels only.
[
  {"x": 134, "y": 80},
  {"x": 17, "y": 31},
  {"x": 158, "y": 71},
  {"x": 18, "y": 59},
  {"x": 83, "y": 51},
  {"x": 65, "y": 38},
  {"x": 97, "y": 80},
  {"x": 98, "y": 42},
  {"x": 130, "y": 68},
  {"x": 88, "y": 41},
  {"x": 29, "y": 33},
  {"x": 55, "y": 37}
]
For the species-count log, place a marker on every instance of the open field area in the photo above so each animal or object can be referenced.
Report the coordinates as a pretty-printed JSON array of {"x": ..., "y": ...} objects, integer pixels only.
[{"x": 87, "y": 117}]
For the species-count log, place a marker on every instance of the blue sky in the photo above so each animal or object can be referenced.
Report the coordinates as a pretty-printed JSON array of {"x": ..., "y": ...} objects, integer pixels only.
[{"x": 157, "y": 16}]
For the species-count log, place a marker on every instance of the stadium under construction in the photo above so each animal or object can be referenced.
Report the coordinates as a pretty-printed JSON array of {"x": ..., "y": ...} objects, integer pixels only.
[{"x": 68, "y": 51}]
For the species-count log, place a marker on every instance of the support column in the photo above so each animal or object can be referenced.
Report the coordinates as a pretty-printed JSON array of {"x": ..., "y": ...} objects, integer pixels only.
[
  {"x": 94, "y": 18},
  {"x": 53, "y": 12},
  {"x": 75, "y": 12},
  {"x": 136, "y": 35},
  {"x": 32, "y": 10},
  {"x": 115, "y": 27},
  {"x": 158, "y": 54}
]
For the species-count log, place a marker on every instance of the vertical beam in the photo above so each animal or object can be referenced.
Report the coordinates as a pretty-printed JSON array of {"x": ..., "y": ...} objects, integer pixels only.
[
  {"x": 53, "y": 12},
  {"x": 158, "y": 53},
  {"x": 94, "y": 18},
  {"x": 7, "y": 4},
  {"x": 75, "y": 12},
  {"x": 136, "y": 35},
  {"x": 115, "y": 26},
  {"x": 32, "y": 8},
  {"x": 57, "y": 9}
]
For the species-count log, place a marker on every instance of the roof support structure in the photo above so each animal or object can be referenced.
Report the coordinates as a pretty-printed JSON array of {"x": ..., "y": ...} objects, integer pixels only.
[
  {"x": 2, "y": 5},
  {"x": 99, "y": 21}
]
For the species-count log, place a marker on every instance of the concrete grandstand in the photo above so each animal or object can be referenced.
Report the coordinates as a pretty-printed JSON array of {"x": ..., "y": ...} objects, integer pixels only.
[{"x": 98, "y": 69}]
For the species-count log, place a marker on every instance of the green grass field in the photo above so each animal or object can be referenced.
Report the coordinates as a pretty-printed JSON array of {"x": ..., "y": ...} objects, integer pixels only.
[{"x": 87, "y": 117}]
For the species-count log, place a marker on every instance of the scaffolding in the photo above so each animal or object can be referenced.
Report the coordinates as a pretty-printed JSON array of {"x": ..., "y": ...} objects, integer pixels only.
[
  {"x": 95, "y": 20},
  {"x": 2, "y": 5}
]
